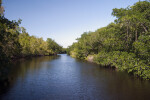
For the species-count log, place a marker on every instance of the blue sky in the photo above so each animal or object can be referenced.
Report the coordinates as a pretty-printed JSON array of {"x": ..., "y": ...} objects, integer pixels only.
[{"x": 62, "y": 20}]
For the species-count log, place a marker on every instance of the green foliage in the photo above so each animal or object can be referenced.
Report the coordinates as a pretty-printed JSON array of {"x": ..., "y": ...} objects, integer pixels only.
[
  {"x": 124, "y": 61},
  {"x": 53, "y": 47},
  {"x": 32, "y": 45},
  {"x": 15, "y": 42},
  {"x": 9, "y": 41},
  {"x": 142, "y": 47},
  {"x": 124, "y": 44}
]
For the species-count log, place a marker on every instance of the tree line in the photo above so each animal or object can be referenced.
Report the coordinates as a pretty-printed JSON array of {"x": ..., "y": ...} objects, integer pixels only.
[
  {"x": 15, "y": 42},
  {"x": 124, "y": 43}
]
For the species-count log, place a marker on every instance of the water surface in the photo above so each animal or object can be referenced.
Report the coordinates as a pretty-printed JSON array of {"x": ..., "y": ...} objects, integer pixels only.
[{"x": 65, "y": 78}]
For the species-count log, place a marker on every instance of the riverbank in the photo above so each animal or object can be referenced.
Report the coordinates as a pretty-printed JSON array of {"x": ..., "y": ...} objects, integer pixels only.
[
  {"x": 16, "y": 43},
  {"x": 14, "y": 59},
  {"x": 122, "y": 61},
  {"x": 125, "y": 46}
]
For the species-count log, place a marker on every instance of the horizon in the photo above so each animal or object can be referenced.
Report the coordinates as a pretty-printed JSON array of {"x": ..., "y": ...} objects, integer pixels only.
[{"x": 63, "y": 21}]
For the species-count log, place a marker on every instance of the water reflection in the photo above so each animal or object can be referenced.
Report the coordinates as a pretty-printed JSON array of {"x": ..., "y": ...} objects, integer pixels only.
[
  {"x": 64, "y": 78},
  {"x": 9, "y": 73}
]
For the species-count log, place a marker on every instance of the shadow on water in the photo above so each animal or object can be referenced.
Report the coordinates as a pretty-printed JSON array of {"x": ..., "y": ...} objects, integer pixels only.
[
  {"x": 114, "y": 84},
  {"x": 10, "y": 72}
]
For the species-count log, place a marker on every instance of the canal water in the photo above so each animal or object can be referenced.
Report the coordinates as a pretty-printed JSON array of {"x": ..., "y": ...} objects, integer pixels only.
[{"x": 64, "y": 78}]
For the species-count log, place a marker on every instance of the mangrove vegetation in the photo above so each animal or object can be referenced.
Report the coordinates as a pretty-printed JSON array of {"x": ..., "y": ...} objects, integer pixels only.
[
  {"x": 123, "y": 44},
  {"x": 15, "y": 42}
]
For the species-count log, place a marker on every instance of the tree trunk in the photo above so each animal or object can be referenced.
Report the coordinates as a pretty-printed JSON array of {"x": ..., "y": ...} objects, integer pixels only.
[
  {"x": 127, "y": 36},
  {"x": 136, "y": 35},
  {"x": 144, "y": 28}
]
